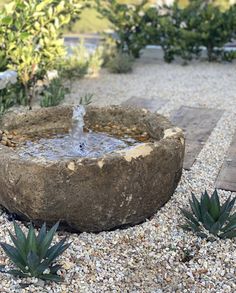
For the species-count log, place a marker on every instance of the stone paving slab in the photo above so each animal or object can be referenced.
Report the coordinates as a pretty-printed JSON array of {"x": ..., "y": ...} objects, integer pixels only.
[
  {"x": 197, "y": 124},
  {"x": 152, "y": 105},
  {"x": 227, "y": 176}
]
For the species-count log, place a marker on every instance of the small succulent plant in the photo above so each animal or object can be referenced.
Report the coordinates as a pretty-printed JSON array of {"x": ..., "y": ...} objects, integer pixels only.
[
  {"x": 86, "y": 99},
  {"x": 208, "y": 216},
  {"x": 34, "y": 256}
]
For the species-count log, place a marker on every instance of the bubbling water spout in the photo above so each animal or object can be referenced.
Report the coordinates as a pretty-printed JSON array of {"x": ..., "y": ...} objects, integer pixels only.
[
  {"x": 76, "y": 144},
  {"x": 77, "y": 131}
]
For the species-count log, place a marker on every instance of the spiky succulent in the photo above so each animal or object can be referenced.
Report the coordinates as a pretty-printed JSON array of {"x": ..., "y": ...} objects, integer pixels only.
[
  {"x": 208, "y": 215},
  {"x": 34, "y": 256}
]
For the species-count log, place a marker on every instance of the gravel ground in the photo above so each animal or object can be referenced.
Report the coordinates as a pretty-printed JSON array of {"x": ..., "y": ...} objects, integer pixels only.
[{"x": 156, "y": 256}]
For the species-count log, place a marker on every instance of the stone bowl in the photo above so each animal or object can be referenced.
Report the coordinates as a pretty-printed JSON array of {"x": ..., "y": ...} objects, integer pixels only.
[{"x": 92, "y": 194}]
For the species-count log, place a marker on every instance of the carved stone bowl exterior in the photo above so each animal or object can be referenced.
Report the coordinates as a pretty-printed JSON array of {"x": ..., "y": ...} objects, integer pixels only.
[{"x": 92, "y": 194}]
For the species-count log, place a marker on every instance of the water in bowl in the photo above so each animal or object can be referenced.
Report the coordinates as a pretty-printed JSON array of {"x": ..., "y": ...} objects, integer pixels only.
[{"x": 75, "y": 144}]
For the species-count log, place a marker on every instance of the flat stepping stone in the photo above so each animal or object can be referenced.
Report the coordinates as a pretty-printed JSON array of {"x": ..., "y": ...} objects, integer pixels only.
[
  {"x": 226, "y": 178},
  {"x": 150, "y": 104},
  {"x": 197, "y": 124}
]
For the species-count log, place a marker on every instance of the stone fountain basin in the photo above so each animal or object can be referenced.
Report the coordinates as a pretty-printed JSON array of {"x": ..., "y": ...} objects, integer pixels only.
[{"x": 92, "y": 194}]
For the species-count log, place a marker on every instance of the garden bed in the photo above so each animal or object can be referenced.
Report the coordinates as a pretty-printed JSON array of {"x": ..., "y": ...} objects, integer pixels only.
[{"x": 156, "y": 256}]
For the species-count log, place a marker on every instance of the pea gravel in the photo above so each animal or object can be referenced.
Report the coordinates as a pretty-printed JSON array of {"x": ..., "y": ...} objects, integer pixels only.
[{"x": 156, "y": 256}]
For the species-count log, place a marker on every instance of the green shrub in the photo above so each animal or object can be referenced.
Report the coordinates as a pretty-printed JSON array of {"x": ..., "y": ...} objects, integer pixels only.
[
  {"x": 34, "y": 256},
  {"x": 30, "y": 34},
  {"x": 175, "y": 38},
  {"x": 120, "y": 63},
  {"x": 209, "y": 216},
  {"x": 7, "y": 98},
  {"x": 12, "y": 94},
  {"x": 185, "y": 31},
  {"x": 214, "y": 27},
  {"x": 127, "y": 22},
  {"x": 80, "y": 62},
  {"x": 53, "y": 93}
]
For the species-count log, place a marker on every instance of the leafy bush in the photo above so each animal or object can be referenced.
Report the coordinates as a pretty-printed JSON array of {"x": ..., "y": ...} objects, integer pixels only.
[
  {"x": 185, "y": 31},
  {"x": 214, "y": 27},
  {"x": 34, "y": 256},
  {"x": 12, "y": 94},
  {"x": 53, "y": 93},
  {"x": 127, "y": 22},
  {"x": 174, "y": 36},
  {"x": 7, "y": 98},
  {"x": 120, "y": 63},
  {"x": 30, "y": 37},
  {"x": 209, "y": 216},
  {"x": 80, "y": 62}
]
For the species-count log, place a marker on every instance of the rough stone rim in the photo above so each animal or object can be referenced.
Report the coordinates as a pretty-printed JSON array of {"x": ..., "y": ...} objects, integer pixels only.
[{"x": 142, "y": 149}]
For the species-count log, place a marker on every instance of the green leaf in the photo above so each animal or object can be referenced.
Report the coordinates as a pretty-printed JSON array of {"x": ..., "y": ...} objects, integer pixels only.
[
  {"x": 214, "y": 209},
  {"x": 19, "y": 234},
  {"x": 47, "y": 241},
  {"x": 195, "y": 206},
  {"x": 208, "y": 221},
  {"x": 33, "y": 262},
  {"x": 230, "y": 234},
  {"x": 231, "y": 225},
  {"x": 51, "y": 277},
  {"x": 6, "y": 20},
  {"x": 205, "y": 203},
  {"x": 232, "y": 217},
  {"x": 31, "y": 243},
  {"x": 42, "y": 234},
  {"x": 14, "y": 255},
  {"x": 17, "y": 273},
  {"x": 20, "y": 247},
  {"x": 214, "y": 229},
  {"x": 190, "y": 217},
  {"x": 57, "y": 250}
]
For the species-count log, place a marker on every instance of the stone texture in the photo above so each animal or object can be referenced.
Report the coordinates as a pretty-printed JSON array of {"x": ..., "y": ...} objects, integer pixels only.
[
  {"x": 227, "y": 176},
  {"x": 197, "y": 124},
  {"x": 118, "y": 189},
  {"x": 153, "y": 104}
]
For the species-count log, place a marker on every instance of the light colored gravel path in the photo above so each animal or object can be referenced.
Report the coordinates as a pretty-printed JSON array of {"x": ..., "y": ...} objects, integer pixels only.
[{"x": 151, "y": 257}]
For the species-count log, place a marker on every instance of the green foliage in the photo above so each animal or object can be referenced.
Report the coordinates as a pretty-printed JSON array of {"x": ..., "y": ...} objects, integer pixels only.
[
  {"x": 185, "y": 31},
  {"x": 7, "y": 98},
  {"x": 174, "y": 36},
  {"x": 80, "y": 62},
  {"x": 30, "y": 37},
  {"x": 12, "y": 94},
  {"x": 120, "y": 63},
  {"x": 3, "y": 61},
  {"x": 86, "y": 99},
  {"x": 53, "y": 93},
  {"x": 34, "y": 256},
  {"x": 213, "y": 27},
  {"x": 127, "y": 22},
  {"x": 209, "y": 215}
]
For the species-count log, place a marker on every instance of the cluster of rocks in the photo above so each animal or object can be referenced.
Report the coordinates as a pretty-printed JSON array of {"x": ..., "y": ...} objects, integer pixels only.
[
  {"x": 122, "y": 131},
  {"x": 7, "y": 138}
]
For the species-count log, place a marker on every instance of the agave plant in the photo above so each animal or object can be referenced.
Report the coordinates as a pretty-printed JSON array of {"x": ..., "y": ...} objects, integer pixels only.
[
  {"x": 34, "y": 256},
  {"x": 208, "y": 216}
]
